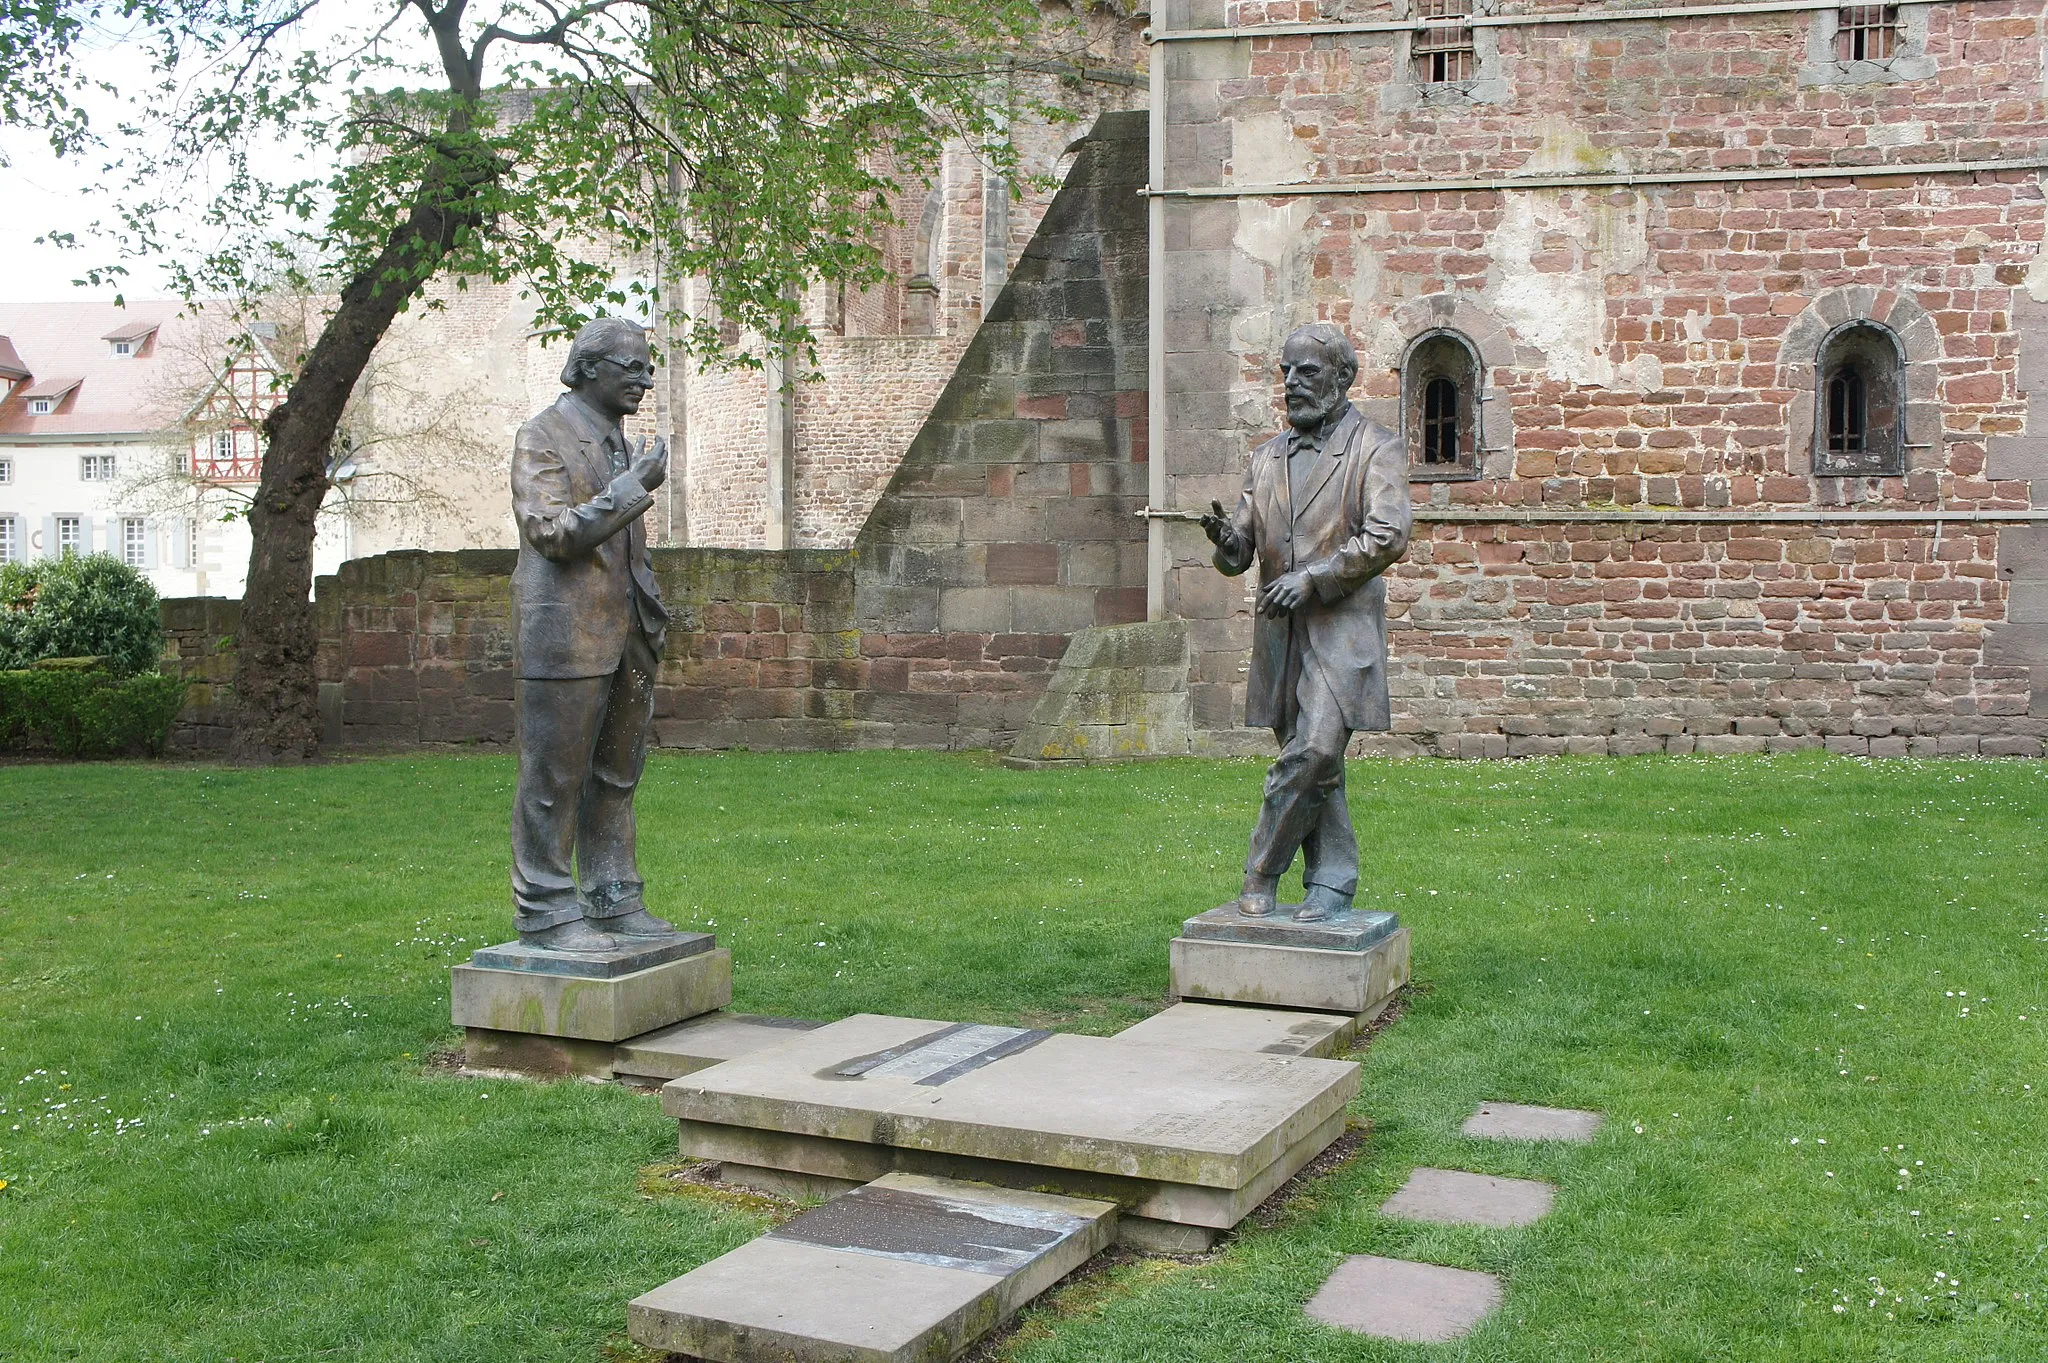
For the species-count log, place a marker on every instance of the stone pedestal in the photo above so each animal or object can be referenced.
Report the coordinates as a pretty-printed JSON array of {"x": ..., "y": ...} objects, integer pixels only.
[
  {"x": 559, "y": 1012},
  {"x": 1351, "y": 964}
]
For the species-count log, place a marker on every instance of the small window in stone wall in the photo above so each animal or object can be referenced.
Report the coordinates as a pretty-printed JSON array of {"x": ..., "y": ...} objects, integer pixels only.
[
  {"x": 1859, "y": 401},
  {"x": 1440, "y": 395},
  {"x": 1444, "y": 52},
  {"x": 1867, "y": 33}
]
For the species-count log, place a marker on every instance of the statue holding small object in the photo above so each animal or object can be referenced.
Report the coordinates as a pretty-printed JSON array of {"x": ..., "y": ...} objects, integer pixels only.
[
  {"x": 1324, "y": 512},
  {"x": 590, "y": 630}
]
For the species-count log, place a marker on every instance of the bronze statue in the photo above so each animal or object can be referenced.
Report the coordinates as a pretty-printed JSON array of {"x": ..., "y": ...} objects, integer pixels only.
[
  {"x": 591, "y": 625},
  {"x": 1324, "y": 513}
]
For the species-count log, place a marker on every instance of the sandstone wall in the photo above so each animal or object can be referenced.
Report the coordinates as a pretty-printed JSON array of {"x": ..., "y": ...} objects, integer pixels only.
[{"x": 1648, "y": 356}]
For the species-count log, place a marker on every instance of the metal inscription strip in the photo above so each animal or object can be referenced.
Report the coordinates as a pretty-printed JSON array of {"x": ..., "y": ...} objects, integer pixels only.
[{"x": 943, "y": 1055}]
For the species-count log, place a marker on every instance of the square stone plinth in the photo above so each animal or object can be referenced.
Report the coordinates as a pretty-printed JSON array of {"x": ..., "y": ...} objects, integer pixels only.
[
  {"x": 1454, "y": 1198},
  {"x": 1353, "y": 930},
  {"x": 1242, "y": 1027},
  {"x": 591, "y": 1009},
  {"x": 1396, "y": 1299},
  {"x": 700, "y": 1043},
  {"x": 904, "y": 1270},
  {"x": 1194, "y": 1137},
  {"x": 1520, "y": 1122},
  {"x": 1359, "y": 983}
]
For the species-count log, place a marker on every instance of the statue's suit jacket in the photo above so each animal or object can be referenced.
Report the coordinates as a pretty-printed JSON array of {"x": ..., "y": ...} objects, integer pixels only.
[
  {"x": 1351, "y": 523},
  {"x": 580, "y": 534}
]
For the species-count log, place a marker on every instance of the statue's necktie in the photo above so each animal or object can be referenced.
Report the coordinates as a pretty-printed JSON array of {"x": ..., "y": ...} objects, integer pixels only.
[{"x": 615, "y": 450}]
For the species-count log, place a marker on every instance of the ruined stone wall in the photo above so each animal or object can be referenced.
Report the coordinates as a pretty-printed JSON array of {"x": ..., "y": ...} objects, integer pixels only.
[
  {"x": 1007, "y": 527},
  {"x": 1644, "y": 349}
]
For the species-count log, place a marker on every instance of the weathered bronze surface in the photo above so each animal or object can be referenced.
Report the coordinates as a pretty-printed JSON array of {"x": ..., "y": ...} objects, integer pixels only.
[
  {"x": 591, "y": 625},
  {"x": 1324, "y": 512}
]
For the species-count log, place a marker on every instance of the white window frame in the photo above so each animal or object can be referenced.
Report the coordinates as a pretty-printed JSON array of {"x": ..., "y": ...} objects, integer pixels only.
[
  {"x": 191, "y": 543},
  {"x": 41, "y": 406},
  {"x": 6, "y": 468},
  {"x": 223, "y": 447},
  {"x": 76, "y": 524},
  {"x": 10, "y": 539},
  {"x": 97, "y": 468},
  {"x": 124, "y": 348},
  {"x": 134, "y": 542}
]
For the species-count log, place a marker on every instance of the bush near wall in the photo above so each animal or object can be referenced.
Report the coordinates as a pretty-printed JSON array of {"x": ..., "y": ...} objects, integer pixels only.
[
  {"x": 75, "y": 707},
  {"x": 74, "y": 606}
]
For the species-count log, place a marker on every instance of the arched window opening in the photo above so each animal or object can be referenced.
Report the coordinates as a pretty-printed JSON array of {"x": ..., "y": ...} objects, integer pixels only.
[
  {"x": 1440, "y": 421},
  {"x": 1440, "y": 389},
  {"x": 1861, "y": 382}
]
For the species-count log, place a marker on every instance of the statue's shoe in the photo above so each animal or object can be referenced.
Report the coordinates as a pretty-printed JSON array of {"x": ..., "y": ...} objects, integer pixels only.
[
  {"x": 1256, "y": 904},
  {"x": 574, "y": 935},
  {"x": 1321, "y": 903},
  {"x": 638, "y": 923}
]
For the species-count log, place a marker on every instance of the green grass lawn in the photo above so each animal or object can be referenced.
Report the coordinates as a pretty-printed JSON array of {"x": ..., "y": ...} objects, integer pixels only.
[{"x": 1809, "y": 994}]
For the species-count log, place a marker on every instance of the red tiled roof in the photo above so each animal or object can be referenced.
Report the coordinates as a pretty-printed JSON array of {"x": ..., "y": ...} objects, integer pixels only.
[
  {"x": 11, "y": 367},
  {"x": 116, "y": 394},
  {"x": 51, "y": 388},
  {"x": 133, "y": 331}
]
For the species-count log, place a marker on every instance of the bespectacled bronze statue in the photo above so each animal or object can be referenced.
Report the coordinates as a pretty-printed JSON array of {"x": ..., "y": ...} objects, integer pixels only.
[
  {"x": 1324, "y": 512},
  {"x": 590, "y": 631}
]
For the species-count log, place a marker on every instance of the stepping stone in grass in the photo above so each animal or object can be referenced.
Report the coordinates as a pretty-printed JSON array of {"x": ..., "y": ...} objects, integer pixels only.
[
  {"x": 1396, "y": 1299},
  {"x": 1519, "y": 1122},
  {"x": 1460, "y": 1199}
]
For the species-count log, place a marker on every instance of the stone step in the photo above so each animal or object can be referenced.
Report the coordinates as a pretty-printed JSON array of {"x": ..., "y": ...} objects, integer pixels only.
[
  {"x": 1456, "y": 1198},
  {"x": 1195, "y": 1137},
  {"x": 903, "y": 1270},
  {"x": 700, "y": 1043},
  {"x": 1396, "y": 1299},
  {"x": 1521, "y": 1122},
  {"x": 1243, "y": 1027}
]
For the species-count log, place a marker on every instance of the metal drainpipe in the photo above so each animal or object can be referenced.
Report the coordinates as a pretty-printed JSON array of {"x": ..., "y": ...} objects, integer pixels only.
[{"x": 1155, "y": 340}]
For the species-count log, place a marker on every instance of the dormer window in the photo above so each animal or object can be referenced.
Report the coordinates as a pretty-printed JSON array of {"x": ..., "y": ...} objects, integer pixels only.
[
  {"x": 41, "y": 406},
  {"x": 127, "y": 341},
  {"x": 124, "y": 348}
]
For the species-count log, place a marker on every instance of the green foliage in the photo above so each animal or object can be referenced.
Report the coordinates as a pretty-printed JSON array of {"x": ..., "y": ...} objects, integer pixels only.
[
  {"x": 754, "y": 143},
  {"x": 79, "y": 606},
  {"x": 78, "y": 712}
]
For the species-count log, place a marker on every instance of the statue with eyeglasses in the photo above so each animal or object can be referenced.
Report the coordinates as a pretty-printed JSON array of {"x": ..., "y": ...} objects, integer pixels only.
[{"x": 590, "y": 630}]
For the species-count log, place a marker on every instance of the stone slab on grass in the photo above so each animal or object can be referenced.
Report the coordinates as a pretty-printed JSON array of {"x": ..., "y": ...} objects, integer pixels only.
[
  {"x": 1355, "y": 982},
  {"x": 1519, "y": 1122},
  {"x": 525, "y": 1053},
  {"x": 591, "y": 1009},
  {"x": 1396, "y": 1299},
  {"x": 1093, "y": 1104},
  {"x": 700, "y": 1043},
  {"x": 803, "y": 1166},
  {"x": 903, "y": 1270},
  {"x": 1455, "y": 1198},
  {"x": 1245, "y": 1027}
]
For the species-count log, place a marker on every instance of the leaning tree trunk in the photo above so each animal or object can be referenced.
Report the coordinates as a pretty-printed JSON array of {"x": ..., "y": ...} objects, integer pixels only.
[{"x": 276, "y": 689}]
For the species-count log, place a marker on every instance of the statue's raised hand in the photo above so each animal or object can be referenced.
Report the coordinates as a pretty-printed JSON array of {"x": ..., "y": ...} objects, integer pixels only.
[{"x": 650, "y": 467}]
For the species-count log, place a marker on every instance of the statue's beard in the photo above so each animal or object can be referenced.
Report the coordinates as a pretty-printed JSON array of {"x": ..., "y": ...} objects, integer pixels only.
[{"x": 1305, "y": 414}]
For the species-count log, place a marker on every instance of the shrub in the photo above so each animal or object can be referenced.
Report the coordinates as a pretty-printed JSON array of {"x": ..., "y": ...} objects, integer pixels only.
[
  {"x": 79, "y": 712},
  {"x": 75, "y": 606}
]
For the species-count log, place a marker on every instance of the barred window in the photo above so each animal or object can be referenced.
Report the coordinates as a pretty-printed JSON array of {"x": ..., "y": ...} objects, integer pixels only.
[
  {"x": 1440, "y": 421},
  {"x": 1440, "y": 390},
  {"x": 1867, "y": 33},
  {"x": 1444, "y": 52},
  {"x": 1860, "y": 373}
]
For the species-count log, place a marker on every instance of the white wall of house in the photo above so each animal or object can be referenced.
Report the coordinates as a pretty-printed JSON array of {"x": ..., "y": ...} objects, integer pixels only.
[{"x": 56, "y": 495}]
